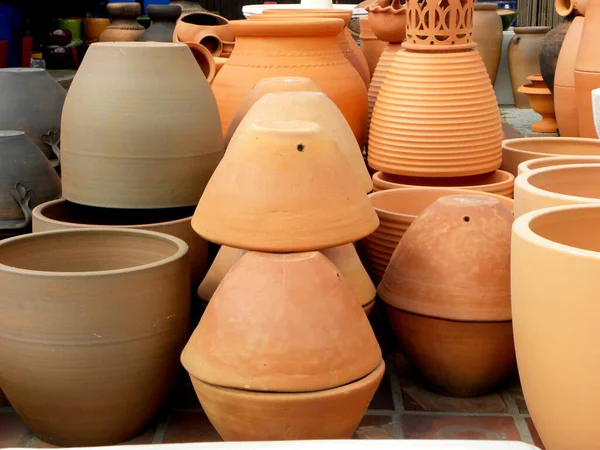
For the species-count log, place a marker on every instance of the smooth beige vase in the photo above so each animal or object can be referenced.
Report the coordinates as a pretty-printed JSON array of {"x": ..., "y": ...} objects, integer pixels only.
[
  {"x": 130, "y": 140},
  {"x": 555, "y": 266},
  {"x": 311, "y": 107},
  {"x": 540, "y": 163}
]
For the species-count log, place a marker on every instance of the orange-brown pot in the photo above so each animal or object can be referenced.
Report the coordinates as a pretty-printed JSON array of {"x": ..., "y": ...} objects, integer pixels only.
[
  {"x": 124, "y": 26},
  {"x": 203, "y": 28},
  {"x": 540, "y": 99},
  {"x": 370, "y": 45},
  {"x": 93, "y": 28},
  {"x": 487, "y": 34}
]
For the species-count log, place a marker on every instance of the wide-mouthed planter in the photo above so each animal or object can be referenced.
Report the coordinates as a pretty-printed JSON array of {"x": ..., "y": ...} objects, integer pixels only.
[
  {"x": 93, "y": 322},
  {"x": 516, "y": 151},
  {"x": 62, "y": 214},
  {"x": 498, "y": 182},
  {"x": 556, "y": 186},
  {"x": 555, "y": 266},
  {"x": 541, "y": 163}
]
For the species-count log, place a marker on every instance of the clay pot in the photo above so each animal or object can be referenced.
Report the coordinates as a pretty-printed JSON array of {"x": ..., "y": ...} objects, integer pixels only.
[
  {"x": 32, "y": 101},
  {"x": 487, "y": 34},
  {"x": 498, "y": 182},
  {"x": 370, "y": 45},
  {"x": 566, "y": 7},
  {"x": 163, "y": 19},
  {"x": 470, "y": 358},
  {"x": 524, "y": 59},
  {"x": 225, "y": 259},
  {"x": 313, "y": 107},
  {"x": 188, "y": 6},
  {"x": 556, "y": 186},
  {"x": 550, "y": 50},
  {"x": 387, "y": 19},
  {"x": 565, "y": 98},
  {"x": 430, "y": 273},
  {"x": 267, "y": 193},
  {"x": 540, "y": 99},
  {"x": 314, "y": 53},
  {"x": 104, "y": 314},
  {"x": 266, "y": 86},
  {"x": 124, "y": 25},
  {"x": 203, "y": 28},
  {"x": 540, "y": 163},
  {"x": 555, "y": 262},
  {"x": 516, "y": 151},
  {"x": 93, "y": 28},
  {"x": 62, "y": 214},
  {"x": 163, "y": 155}
]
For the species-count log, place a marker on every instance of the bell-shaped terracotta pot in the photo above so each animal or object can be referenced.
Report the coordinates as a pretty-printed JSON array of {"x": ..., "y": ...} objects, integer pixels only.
[
  {"x": 488, "y": 34},
  {"x": 124, "y": 25},
  {"x": 167, "y": 143},
  {"x": 268, "y": 48},
  {"x": 371, "y": 46},
  {"x": 203, "y": 28},
  {"x": 313, "y": 107},
  {"x": 541, "y": 163},
  {"x": 541, "y": 101},
  {"x": 268, "y": 192}
]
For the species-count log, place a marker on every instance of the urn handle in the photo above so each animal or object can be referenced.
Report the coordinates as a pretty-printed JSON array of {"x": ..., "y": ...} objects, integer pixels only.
[
  {"x": 22, "y": 195},
  {"x": 52, "y": 140}
]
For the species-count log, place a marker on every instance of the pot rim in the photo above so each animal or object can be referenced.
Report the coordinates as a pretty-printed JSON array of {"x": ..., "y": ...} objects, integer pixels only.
[
  {"x": 507, "y": 178},
  {"x": 315, "y": 28},
  {"x": 136, "y": 45},
  {"x": 182, "y": 250},
  {"x": 507, "y": 144},
  {"x": 525, "y": 166}
]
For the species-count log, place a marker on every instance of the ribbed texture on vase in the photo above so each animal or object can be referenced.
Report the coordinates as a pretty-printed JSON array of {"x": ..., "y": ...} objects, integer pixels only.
[{"x": 436, "y": 115}]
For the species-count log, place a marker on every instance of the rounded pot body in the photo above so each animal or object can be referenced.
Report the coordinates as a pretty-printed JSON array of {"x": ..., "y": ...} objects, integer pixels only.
[
  {"x": 370, "y": 45},
  {"x": 487, "y": 34},
  {"x": 192, "y": 27},
  {"x": 550, "y": 50},
  {"x": 124, "y": 26}
]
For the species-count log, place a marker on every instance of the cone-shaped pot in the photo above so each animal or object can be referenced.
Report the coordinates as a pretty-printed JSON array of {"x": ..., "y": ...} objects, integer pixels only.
[{"x": 284, "y": 187}]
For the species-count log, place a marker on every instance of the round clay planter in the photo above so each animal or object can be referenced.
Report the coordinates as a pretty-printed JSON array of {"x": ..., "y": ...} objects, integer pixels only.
[
  {"x": 124, "y": 26},
  {"x": 240, "y": 415},
  {"x": 104, "y": 314},
  {"x": 488, "y": 34},
  {"x": 163, "y": 19},
  {"x": 524, "y": 59},
  {"x": 516, "y": 151},
  {"x": 498, "y": 182},
  {"x": 193, "y": 27},
  {"x": 540, "y": 163},
  {"x": 370, "y": 45},
  {"x": 550, "y": 50},
  {"x": 62, "y": 214},
  {"x": 470, "y": 358},
  {"x": 93, "y": 28},
  {"x": 541, "y": 101},
  {"x": 565, "y": 98},
  {"x": 555, "y": 265},
  {"x": 556, "y": 186},
  {"x": 301, "y": 48},
  {"x": 164, "y": 153}
]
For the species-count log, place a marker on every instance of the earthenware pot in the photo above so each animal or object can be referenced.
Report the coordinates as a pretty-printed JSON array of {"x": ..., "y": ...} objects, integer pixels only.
[
  {"x": 370, "y": 45},
  {"x": 566, "y": 7},
  {"x": 93, "y": 28},
  {"x": 104, "y": 314},
  {"x": 163, "y": 19},
  {"x": 198, "y": 26},
  {"x": 550, "y": 50},
  {"x": 284, "y": 167},
  {"x": 163, "y": 155},
  {"x": 188, "y": 6},
  {"x": 487, "y": 34},
  {"x": 540, "y": 163},
  {"x": 387, "y": 19},
  {"x": 540, "y": 100},
  {"x": 205, "y": 59},
  {"x": 124, "y": 25}
]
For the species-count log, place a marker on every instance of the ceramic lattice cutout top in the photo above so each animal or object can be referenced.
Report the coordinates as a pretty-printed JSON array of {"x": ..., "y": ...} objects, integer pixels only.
[{"x": 439, "y": 23}]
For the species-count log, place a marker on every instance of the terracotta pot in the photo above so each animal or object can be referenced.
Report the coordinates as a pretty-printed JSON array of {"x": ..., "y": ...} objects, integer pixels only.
[
  {"x": 498, "y": 182},
  {"x": 104, "y": 314},
  {"x": 556, "y": 186},
  {"x": 397, "y": 209},
  {"x": 206, "y": 61},
  {"x": 93, "y": 28},
  {"x": 62, "y": 214},
  {"x": 566, "y": 7},
  {"x": 163, "y": 19},
  {"x": 370, "y": 45},
  {"x": 540, "y": 99},
  {"x": 313, "y": 107},
  {"x": 267, "y": 193},
  {"x": 516, "y": 151},
  {"x": 27, "y": 179},
  {"x": 555, "y": 260},
  {"x": 488, "y": 34},
  {"x": 193, "y": 27},
  {"x": 267, "y": 86},
  {"x": 550, "y": 50},
  {"x": 32, "y": 101},
  {"x": 524, "y": 59},
  {"x": 188, "y": 6},
  {"x": 565, "y": 98},
  {"x": 430, "y": 274},
  {"x": 387, "y": 19},
  {"x": 124, "y": 25},
  {"x": 540, "y": 163},
  {"x": 314, "y": 53},
  {"x": 225, "y": 259},
  {"x": 240, "y": 415},
  {"x": 470, "y": 358},
  {"x": 164, "y": 153}
]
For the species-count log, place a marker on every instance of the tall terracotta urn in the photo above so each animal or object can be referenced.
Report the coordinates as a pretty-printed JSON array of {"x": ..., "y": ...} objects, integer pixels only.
[
  {"x": 550, "y": 50},
  {"x": 371, "y": 46},
  {"x": 488, "y": 34},
  {"x": 124, "y": 26}
]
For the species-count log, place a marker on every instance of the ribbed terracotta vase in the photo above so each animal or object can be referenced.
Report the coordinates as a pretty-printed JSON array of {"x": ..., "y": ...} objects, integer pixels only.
[{"x": 302, "y": 48}]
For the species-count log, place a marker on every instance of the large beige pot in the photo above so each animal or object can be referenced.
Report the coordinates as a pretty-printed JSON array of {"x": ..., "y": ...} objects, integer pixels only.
[
  {"x": 488, "y": 34},
  {"x": 540, "y": 163},
  {"x": 555, "y": 267}
]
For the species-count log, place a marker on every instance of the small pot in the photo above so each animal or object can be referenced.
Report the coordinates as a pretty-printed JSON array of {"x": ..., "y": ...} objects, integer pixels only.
[
  {"x": 193, "y": 26},
  {"x": 541, "y": 101},
  {"x": 93, "y": 28},
  {"x": 387, "y": 19}
]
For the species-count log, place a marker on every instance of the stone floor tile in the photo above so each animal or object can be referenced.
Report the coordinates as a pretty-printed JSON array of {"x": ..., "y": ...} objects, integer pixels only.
[
  {"x": 383, "y": 397},
  {"x": 375, "y": 427},
  {"x": 425, "y": 426},
  {"x": 417, "y": 398}
]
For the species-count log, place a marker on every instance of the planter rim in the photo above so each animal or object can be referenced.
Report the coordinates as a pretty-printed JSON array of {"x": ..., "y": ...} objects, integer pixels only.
[
  {"x": 507, "y": 144},
  {"x": 525, "y": 166},
  {"x": 505, "y": 178}
]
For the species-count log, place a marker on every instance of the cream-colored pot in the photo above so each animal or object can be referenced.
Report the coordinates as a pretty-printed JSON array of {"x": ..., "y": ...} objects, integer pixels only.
[
  {"x": 140, "y": 128},
  {"x": 556, "y": 186},
  {"x": 540, "y": 163},
  {"x": 555, "y": 274}
]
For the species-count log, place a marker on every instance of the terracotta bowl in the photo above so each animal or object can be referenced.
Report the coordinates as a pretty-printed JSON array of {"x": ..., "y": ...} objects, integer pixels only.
[
  {"x": 388, "y": 23},
  {"x": 498, "y": 182},
  {"x": 516, "y": 151},
  {"x": 240, "y": 415},
  {"x": 397, "y": 209},
  {"x": 556, "y": 186},
  {"x": 540, "y": 163}
]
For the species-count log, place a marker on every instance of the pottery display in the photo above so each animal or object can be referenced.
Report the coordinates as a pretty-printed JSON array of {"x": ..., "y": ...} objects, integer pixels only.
[
  {"x": 313, "y": 107},
  {"x": 124, "y": 25},
  {"x": 487, "y": 34},
  {"x": 104, "y": 313},
  {"x": 524, "y": 59},
  {"x": 516, "y": 151},
  {"x": 204, "y": 28},
  {"x": 556, "y": 186},
  {"x": 93, "y": 28},
  {"x": 163, "y": 19},
  {"x": 540, "y": 163},
  {"x": 310, "y": 49},
  {"x": 565, "y": 98},
  {"x": 555, "y": 262},
  {"x": 188, "y": 6},
  {"x": 246, "y": 203},
  {"x": 541, "y": 101},
  {"x": 371, "y": 46},
  {"x": 165, "y": 151},
  {"x": 550, "y": 50},
  {"x": 567, "y": 7},
  {"x": 61, "y": 215},
  {"x": 32, "y": 101}
]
